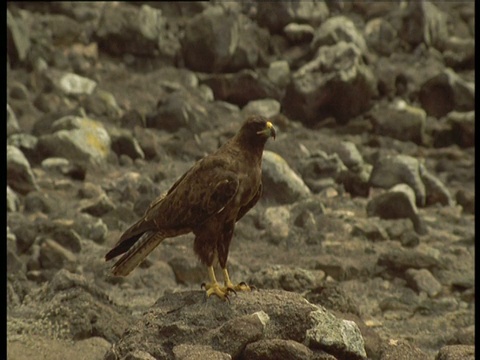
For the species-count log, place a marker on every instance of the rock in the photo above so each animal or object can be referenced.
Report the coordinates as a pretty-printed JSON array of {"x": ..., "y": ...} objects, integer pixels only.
[
  {"x": 26, "y": 143},
  {"x": 18, "y": 41},
  {"x": 332, "y": 296},
  {"x": 464, "y": 336},
  {"x": 320, "y": 166},
  {"x": 92, "y": 228},
  {"x": 338, "y": 29},
  {"x": 369, "y": 230},
  {"x": 402, "y": 350},
  {"x": 193, "y": 352},
  {"x": 265, "y": 107},
  {"x": 123, "y": 143},
  {"x": 55, "y": 256},
  {"x": 400, "y": 121},
  {"x": 19, "y": 173},
  {"x": 423, "y": 280},
  {"x": 462, "y": 128},
  {"x": 459, "y": 53},
  {"x": 436, "y": 191},
  {"x": 298, "y": 33},
  {"x": 446, "y": 92},
  {"x": 400, "y": 259},
  {"x": 188, "y": 270},
  {"x": 423, "y": 22},
  {"x": 389, "y": 171},
  {"x": 466, "y": 199},
  {"x": 279, "y": 73},
  {"x": 216, "y": 39},
  {"x": 87, "y": 313},
  {"x": 277, "y": 349},
  {"x": 76, "y": 139},
  {"x": 280, "y": 182},
  {"x": 322, "y": 87},
  {"x": 286, "y": 278},
  {"x": 102, "y": 103},
  {"x": 12, "y": 122},
  {"x": 342, "y": 338},
  {"x": 312, "y": 13},
  {"x": 241, "y": 87},
  {"x": 230, "y": 327},
  {"x": 98, "y": 206},
  {"x": 276, "y": 221},
  {"x": 13, "y": 202},
  {"x": 381, "y": 36},
  {"x": 141, "y": 31},
  {"x": 397, "y": 203},
  {"x": 456, "y": 352},
  {"x": 70, "y": 83}
]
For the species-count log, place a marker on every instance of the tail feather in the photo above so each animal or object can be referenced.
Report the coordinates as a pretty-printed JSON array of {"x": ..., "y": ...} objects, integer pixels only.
[{"x": 137, "y": 253}]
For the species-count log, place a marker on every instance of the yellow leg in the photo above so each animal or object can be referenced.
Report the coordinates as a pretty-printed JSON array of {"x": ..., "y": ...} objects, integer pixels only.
[
  {"x": 229, "y": 285},
  {"x": 213, "y": 287}
]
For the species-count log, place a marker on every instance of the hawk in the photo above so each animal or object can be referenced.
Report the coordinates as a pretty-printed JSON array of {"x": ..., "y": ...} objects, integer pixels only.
[{"x": 207, "y": 200}]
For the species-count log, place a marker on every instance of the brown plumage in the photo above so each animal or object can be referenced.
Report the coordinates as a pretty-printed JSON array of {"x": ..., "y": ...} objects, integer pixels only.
[{"x": 207, "y": 200}]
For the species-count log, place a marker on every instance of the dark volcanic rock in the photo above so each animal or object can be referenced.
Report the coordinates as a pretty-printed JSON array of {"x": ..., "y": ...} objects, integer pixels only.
[{"x": 230, "y": 326}]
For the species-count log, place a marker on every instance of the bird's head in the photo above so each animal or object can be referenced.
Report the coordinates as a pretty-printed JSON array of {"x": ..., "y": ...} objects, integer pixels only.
[{"x": 257, "y": 129}]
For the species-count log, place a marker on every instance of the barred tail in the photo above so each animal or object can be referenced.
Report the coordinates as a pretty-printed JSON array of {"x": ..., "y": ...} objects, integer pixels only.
[{"x": 137, "y": 253}]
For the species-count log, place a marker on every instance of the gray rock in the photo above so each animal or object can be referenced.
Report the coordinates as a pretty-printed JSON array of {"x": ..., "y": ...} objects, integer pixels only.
[
  {"x": 462, "y": 127},
  {"x": 459, "y": 53},
  {"x": 342, "y": 338},
  {"x": 67, "y": 237},
  {"x": 298, "y": 33},
  {"x": 280, "y": 182},
  {"x": 19, "y": 173},
  {"x": 123, "y": 143},
  {"x": 337, "y": 29},
  {"x": 424, "y": 23},
  {"x": 381, "y": 36},
  {"x": 279, "y": 73},
  {"x": 102, "y": 103},
  {"x": 234, "y": 335},
  {"x": 265, "y": 107},
  {"x": 466, "y": 199},
  {"x": 400, "y": 121},
  {"x": 188, "y": 270},
  {"x": 423, "y": 280},
  {"x": 369, "y": 230},
  {"x": 88, "y": 311},
  {"x": 320, "y": 166},
  {"x": 312, "y": 13},
  {"x": 215, "y": 34},
  {"x": 456, "y": 352},
  {"x": 26, "y": 143},
  {"x": 435, "y": 190},
  {"x": 55, "y": 163},
  {"x": 76, "y": 139},
  {"x": 186, "y": 318},
  {"x": 286, "y": 278},
  {"x": 91, "y": 228},
  {"x": 13, "y": 202},
  {"x": 98, "y": 206},
  {"x": 446, "y": 92},
  {"x": 389, "y": 171},
  {"x": 401, "y": 259},
  {"x": 241, "y": 87},
  {"x": 325, "y": 86},
  {"x": 194, "y": 352},
  {"x": 276, "y": 221},
  {"x": 137, "y": 355},
  {"x": 55, "y": 256},
  {"x": 277, "y": 349},
  {"x": 39, "y": 201},
  {"x": 142, "y": 31},
  {"x": 70, "y": 83},
  {"x": 402, "y": 350},
  {"x": 397, "y": 203},
  {"x": 12, "y": 122},
  {"x": 332, "y": 296},
  {"x": 19, "y": 41}
]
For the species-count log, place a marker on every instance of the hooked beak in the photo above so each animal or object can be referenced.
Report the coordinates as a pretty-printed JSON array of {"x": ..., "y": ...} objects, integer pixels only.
[{"x": 269, "y": 130}]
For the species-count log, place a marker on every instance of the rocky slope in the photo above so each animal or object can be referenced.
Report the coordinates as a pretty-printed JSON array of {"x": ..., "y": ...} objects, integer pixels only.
[{"x": 363, "y": 243}]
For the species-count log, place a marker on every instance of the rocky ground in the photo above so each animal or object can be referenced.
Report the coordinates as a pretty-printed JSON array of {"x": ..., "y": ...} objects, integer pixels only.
[{"x": 363, "y": 243}]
